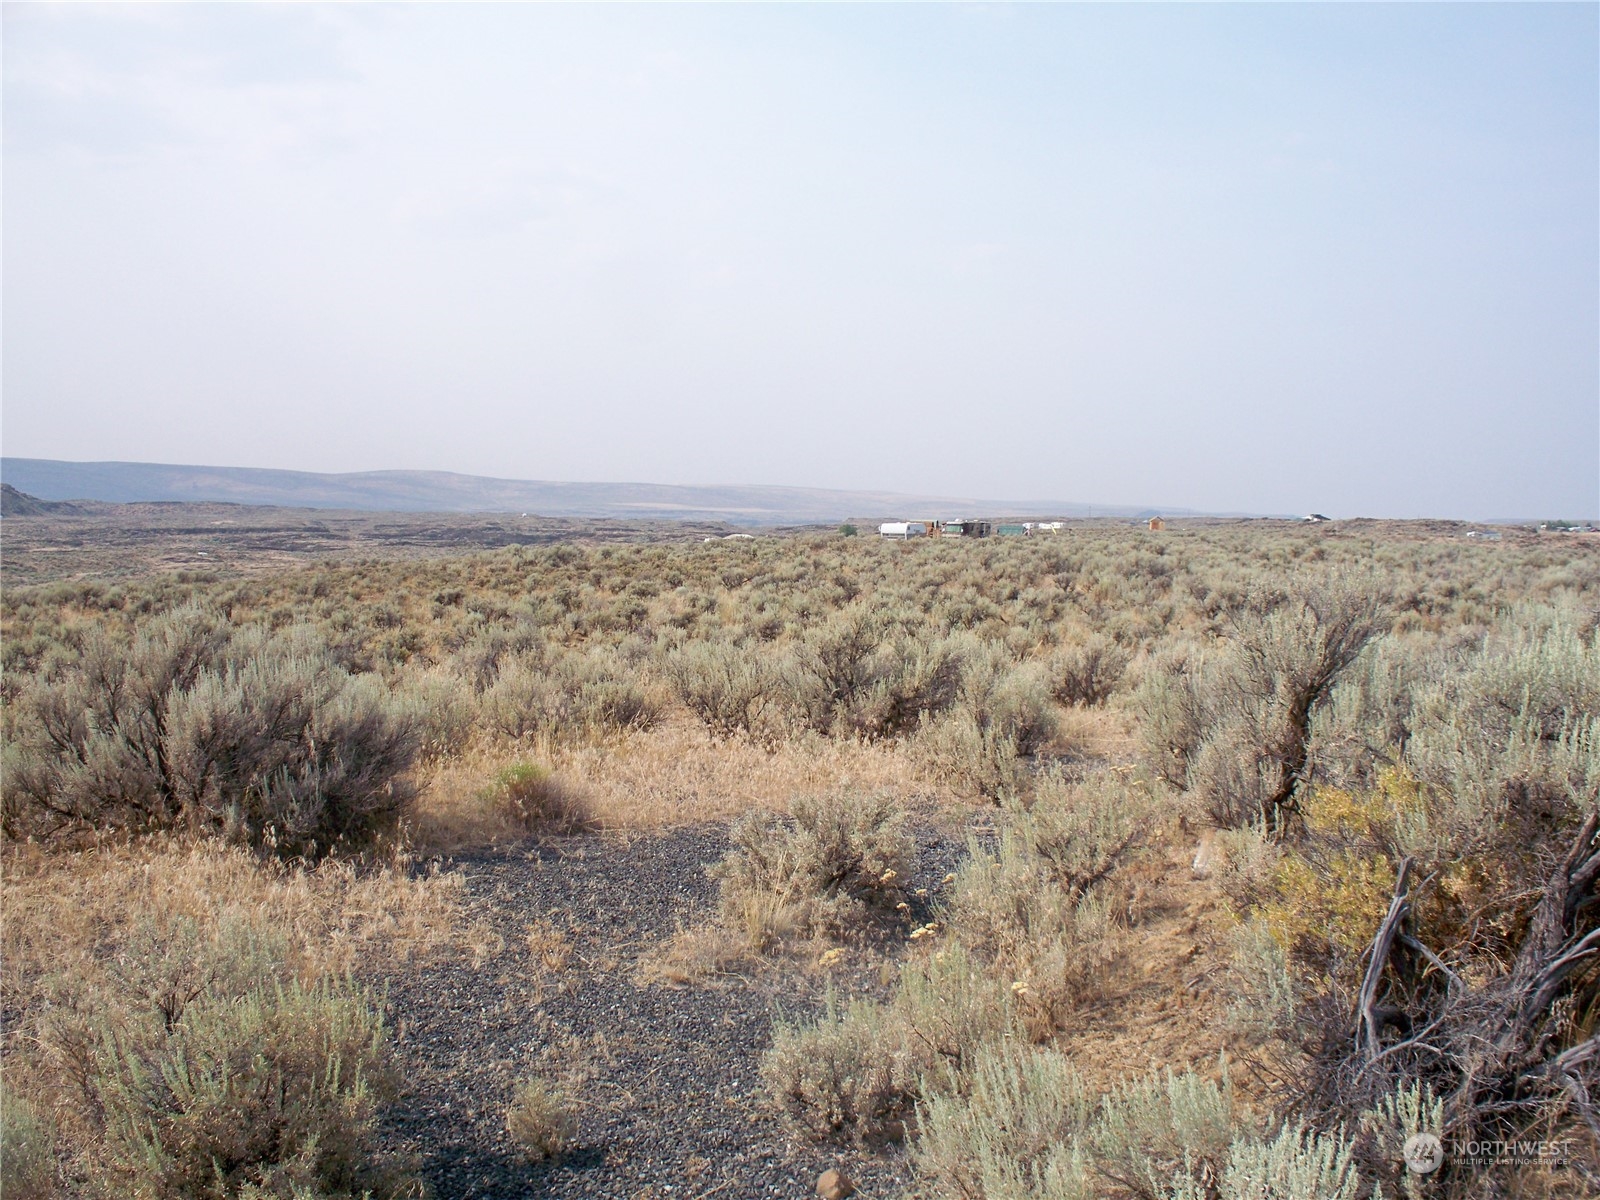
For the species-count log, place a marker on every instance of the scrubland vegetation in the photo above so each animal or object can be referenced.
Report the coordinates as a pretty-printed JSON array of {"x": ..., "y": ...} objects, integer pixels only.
[{"x": 1381, "y": 743}]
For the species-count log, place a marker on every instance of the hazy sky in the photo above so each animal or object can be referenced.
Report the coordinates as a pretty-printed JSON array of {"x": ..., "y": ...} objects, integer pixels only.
[{"x": 1269, "y": 258}]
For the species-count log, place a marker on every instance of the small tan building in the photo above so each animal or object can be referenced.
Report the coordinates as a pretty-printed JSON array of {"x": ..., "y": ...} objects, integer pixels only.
[{"x": 1157, "y": 523}]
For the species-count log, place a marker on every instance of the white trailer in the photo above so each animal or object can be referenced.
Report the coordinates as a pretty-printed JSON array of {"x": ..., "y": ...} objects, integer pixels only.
[{"x": 901, "y": 530}]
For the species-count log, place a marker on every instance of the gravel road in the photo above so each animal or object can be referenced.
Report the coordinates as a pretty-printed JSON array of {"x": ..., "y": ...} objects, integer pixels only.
[{"x": 665, "y": 1077}]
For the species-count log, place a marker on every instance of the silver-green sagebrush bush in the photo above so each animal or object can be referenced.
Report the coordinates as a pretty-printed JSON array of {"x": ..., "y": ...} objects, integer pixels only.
[
  {"x": 1086, "y": 672},
  {"x": 1298, "y": 1162},
  {"x": 860, "y": 674},
  {"x": 733, "y": 689},
  {"x": 260, "y": 737},
  {"x": 828, "y": 866},
  {"x": 1000, "y": 720},
  {"x": 1051, "y": 946},
  {"x": 1025, "y": 1127},
  {"x": 570, "y": 695},
  {"x": 278, "y": 1088},
  {"x": 857, "y": 1072},
  {"x": 850, "y": 1075},
  {"x": 1234, "y": 728},
  {"x": 198, "y": 1066}
]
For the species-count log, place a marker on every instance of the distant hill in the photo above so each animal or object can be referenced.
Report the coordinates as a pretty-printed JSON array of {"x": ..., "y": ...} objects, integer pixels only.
[
  {"x": 19, "y": 504},
  {"x": 50, "y": 480}
]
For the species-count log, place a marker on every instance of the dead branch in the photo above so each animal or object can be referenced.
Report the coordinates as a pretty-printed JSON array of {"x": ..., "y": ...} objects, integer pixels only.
[{"x": 1368, "y": 1027}]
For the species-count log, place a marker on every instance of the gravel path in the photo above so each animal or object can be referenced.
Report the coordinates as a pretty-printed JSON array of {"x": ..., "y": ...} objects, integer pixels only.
[{"x": 666, "y": 1077}]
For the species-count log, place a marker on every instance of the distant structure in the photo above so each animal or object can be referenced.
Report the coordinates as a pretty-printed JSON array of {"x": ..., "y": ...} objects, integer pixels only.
[
  {"x": 902, "y": 530},
  {"x": 1317, "y": 518},
  {"x": 980, "y": 529},
  {"x": 1157, "y": 524}
]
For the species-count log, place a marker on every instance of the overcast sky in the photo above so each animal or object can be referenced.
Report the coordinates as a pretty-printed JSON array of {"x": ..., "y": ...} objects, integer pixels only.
[{"x": 1266, "y": 258}]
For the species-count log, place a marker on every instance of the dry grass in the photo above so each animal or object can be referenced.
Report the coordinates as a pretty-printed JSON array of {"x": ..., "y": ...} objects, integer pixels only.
[
  {"x": 677, "y": 775},
  {"x": 694, "y": 955},
  {"x": 471, "y": 801},
  {"x": 1107, "y": 734},
  {"x": 670, "y": 776},
  {"x": 1166, "y": 1004},
  {"x": 548, "y": 946},
  {"x": 69, "y": 912},
  {"x": 540, "y": 1119}
]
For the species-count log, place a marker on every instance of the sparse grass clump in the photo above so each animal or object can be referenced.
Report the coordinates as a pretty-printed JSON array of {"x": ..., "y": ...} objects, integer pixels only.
[
  {"x": 540, "y": 1119},
  {"x": 27, "y": 1150}
]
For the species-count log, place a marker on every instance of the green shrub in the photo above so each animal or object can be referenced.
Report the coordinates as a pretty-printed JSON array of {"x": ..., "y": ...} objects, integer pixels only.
[
  {"x": 1265, "y": 993},
  {"x": 167, "y": 964},
  {"x": 1024, "y": 1127},
  {"x": 1298, "y": 1163},
  {"x": 857, "y": 1072},
  {"x": 535, "y": 799},
  {"x": 1236, "y": 728},
  {"x": 1085, "y": 831},
  {"x": 1383, "y": 1131},
  {"x": 445, "y": 708},
  {"x": 1173, "y": 715},
  {"x": 571, "y": 695},
  {"x": 1001, "y": 718},
  {"x": 292, "y": 755},
  {"x": 194, "y": 1064},
  {"x": 1509, "y": 733},
  {"x": 1012, "y": 1133},
  {"x": 1147, "y": 1130},
  {"x": 951, "y": 1006},
  {"x": 1052, "y": 947},
  {"x": 861, "y": 676},
  {"x": 1013, "y": 701},
  {"x": 958, "y": 751}
]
